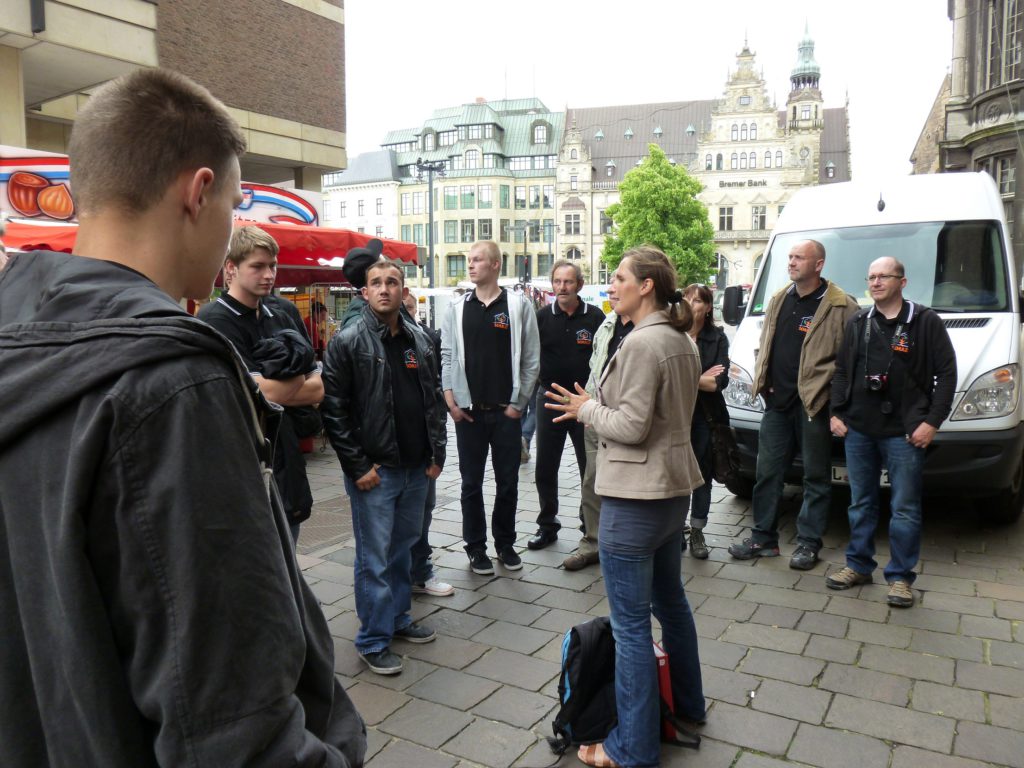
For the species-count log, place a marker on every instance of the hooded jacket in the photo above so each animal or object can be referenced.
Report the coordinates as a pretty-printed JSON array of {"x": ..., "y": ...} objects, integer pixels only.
[{"x": 151, "y": 609}]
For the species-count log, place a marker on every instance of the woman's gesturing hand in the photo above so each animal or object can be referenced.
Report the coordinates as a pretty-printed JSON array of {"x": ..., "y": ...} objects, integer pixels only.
[{"x": 565, "y": 401}]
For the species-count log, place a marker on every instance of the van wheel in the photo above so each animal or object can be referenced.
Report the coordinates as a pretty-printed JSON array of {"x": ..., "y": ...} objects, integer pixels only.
[
  {"x": 741, "y": 486},
  {"x": 1006, "y": 506}
]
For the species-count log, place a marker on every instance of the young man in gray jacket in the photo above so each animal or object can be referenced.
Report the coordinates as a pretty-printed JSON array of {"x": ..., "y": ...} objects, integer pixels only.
[{"x": 490, "y": 358}]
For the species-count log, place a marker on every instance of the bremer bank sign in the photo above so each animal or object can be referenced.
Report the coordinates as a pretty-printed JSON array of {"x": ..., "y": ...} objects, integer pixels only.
[{"x": 747, "y": 183}]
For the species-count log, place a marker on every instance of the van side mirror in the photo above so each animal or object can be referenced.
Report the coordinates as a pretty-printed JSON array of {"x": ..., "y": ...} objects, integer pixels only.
[{"x": 733, "y": 305}]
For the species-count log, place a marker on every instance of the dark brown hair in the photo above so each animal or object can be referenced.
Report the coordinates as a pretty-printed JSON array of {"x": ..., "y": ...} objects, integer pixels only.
[
  {"x": 142, "y": 130},
  {"x": 385, "y": 263},
  {"x": 705, "y": 295},
  {"x": 647, "y": 262}
]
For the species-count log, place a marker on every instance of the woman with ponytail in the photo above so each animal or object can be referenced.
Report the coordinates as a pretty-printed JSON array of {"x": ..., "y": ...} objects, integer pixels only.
[{"x": 646, "y": 472}]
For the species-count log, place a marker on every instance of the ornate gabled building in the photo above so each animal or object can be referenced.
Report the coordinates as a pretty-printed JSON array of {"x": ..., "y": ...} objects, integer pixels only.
[{"x": 749, "y": 155}]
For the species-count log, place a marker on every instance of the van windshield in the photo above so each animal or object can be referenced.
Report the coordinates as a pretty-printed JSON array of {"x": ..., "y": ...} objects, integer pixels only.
[{"x": 950, "y": 266}]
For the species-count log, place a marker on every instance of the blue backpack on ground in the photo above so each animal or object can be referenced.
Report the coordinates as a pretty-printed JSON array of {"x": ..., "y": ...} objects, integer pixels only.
[{"x": 586, "y": 690}]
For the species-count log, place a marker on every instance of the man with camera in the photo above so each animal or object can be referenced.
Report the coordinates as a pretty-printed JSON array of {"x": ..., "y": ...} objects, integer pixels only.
[{"x": 894, "y": 384}]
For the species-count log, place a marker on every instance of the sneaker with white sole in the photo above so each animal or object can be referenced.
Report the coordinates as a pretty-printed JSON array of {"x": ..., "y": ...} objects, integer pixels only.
[
  {"x": 382, "y": 662},
  {"x": 416, "y": 633},
  {"x": 433, "y": 586}
]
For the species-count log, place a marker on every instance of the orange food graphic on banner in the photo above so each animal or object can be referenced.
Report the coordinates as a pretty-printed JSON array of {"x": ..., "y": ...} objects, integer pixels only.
[
  {"x": 23, "y": 192},
  {"x": 55, "y": 201}
]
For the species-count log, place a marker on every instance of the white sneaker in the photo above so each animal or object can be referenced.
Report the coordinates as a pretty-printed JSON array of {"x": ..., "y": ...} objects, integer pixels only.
[{"x": 433, "y": 586}]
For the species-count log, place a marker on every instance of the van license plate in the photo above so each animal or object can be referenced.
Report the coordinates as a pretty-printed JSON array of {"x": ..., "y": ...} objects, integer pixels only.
[{"x": 842, "y": 476}]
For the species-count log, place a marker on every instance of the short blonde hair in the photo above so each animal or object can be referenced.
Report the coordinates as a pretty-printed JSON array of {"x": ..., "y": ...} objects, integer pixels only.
[
  {"x": 490, "y": 248},
  {"x": 138, "y": 133},
  {"x": 245, "y": 240}
]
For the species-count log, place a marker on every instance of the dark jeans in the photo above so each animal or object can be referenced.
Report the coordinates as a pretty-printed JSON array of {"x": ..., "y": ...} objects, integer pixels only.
[
  {"x": 782, "y": 434},
  {"x": 865, "y": 457},
  {"x": 550, "y": 442},
  {"x": 638, "y": 585},
  {"x": 422, "y": 567},
  {"x": 494, "y": 430},
  {"x": 700, "y": 441}
]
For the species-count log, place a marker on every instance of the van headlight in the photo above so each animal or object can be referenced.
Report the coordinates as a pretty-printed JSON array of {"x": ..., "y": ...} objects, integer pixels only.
[
  {"x": 992, "y": 394},
  {"x": 740, "y": 392}
]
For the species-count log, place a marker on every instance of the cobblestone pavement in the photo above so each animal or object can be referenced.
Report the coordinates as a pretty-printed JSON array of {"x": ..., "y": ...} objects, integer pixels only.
[{"x": 795, "y": 674}]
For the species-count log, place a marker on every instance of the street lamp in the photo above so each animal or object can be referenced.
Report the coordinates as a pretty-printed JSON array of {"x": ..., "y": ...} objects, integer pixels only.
[
  {"x": 524, "y": 227},
  {"x": 431, "y": 168}
]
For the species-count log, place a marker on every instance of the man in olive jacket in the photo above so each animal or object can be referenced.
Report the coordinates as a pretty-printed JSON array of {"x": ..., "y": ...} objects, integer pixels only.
[{"x": 803, "y": 329}]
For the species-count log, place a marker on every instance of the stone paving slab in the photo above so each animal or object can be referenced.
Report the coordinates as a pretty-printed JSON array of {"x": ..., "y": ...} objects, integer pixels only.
[{"x": 794, "y": 673}]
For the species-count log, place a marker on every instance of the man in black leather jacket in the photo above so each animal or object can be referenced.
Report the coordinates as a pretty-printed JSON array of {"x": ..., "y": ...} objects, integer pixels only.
[{"x": 384, "y": 413}]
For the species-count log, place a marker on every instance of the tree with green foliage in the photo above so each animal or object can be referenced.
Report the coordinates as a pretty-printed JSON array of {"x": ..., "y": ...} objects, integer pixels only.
[{"x": 659, "y": 206}]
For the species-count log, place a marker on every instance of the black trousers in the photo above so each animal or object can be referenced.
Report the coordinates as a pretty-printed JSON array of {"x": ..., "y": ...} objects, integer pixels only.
[
  {"x": 494, "y": 430},
  {"x": 550, "y": 443}
]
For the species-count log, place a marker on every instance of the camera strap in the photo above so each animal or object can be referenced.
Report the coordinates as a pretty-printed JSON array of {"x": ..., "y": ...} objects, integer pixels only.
[{"x": 870, "y": 323}]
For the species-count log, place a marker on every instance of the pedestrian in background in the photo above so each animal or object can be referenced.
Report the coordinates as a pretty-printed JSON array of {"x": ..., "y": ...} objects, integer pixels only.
[
  {"x": 424, "y": 580},
  {"x": 153, "y": 611},
  {"x": 894, "y": 386},
  {"x": 710, "y": 408},
  {"x": 489, "y": 360},
  {"x": 384, "y": 415},
  {"x": 803, "y": 327},
  {"x": 646, "y": 471},
  {"x": 566, "y": 329}
]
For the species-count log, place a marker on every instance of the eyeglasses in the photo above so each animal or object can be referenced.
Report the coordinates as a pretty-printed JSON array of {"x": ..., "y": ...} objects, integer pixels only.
[{"x": 879, "y": 278}]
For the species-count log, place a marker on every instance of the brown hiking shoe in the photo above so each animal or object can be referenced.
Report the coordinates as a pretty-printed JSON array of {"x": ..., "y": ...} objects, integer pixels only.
[
  {"x": 900, "y": 594},
  {"x": 846, "y": 578},
  {"x": 577, "y": 561}
]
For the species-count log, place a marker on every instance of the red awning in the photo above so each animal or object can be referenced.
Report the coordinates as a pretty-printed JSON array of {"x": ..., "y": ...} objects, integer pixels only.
[{"x": 308, "y": 254}]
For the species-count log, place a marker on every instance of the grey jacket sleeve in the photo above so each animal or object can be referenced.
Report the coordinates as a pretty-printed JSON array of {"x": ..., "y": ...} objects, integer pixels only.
[
  {"x": 448, "y": 347},
  {"x": 529, "y": 356}
]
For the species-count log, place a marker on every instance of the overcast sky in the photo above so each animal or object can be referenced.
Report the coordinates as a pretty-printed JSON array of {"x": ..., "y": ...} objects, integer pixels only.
[{"x": 405, "y": 58}]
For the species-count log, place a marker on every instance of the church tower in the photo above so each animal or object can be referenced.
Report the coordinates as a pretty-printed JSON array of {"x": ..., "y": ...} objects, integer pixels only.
[{"x": 804, "y": 106}]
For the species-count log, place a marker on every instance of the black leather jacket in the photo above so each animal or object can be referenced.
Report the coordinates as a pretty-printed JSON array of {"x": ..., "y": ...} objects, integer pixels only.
[{"x": 358, "y": 411}]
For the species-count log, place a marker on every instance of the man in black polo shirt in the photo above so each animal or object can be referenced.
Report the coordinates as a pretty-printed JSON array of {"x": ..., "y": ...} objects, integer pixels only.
[
  {"x": 249, "y": 315},
  {"x": 803, "y": 327},
  {"x": 566, "y": 331},
  {"x": 385, "y": 417},
  {"x": 489, "y": 361}
]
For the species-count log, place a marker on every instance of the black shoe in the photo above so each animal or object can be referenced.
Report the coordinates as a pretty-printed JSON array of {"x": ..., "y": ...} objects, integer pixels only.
[
  {"x": 510, "y": 559},
  {"x": 382, "y": 662},
  {"x": 542, "y": 538},
  {"x": 804, "y": 558},
  {"x": 480, "y": 563},
  {"x": 749, "y": 549},
  {"x": 416, "y": 633}
]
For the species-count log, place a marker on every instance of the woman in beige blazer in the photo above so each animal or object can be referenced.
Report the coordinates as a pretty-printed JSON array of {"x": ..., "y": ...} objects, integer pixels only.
[{"x": 646, "y": 471}]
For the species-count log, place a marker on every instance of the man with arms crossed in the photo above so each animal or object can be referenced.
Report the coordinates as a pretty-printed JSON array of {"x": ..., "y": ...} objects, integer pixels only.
[
  {"x": 489, "y": 360},
  {"x": 566, "y": 330},
  {"x": 894, "y": 386},
  {"x": 384, "y": 414},
  {"x": 153, "y": 610},
  {"x": 803, "y": 326}
]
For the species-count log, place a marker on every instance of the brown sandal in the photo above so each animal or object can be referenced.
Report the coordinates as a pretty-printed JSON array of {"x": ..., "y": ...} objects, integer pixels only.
[{"x": 593, "y": 754}]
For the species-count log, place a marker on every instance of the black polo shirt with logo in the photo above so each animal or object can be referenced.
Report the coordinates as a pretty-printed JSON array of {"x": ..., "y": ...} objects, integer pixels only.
[
  {"x": 566, "y": 342},
  {"x": 487, "y": 336},
  {"x": 245, "y": 326},
  {"x": 795, "y": 317},
  {"x": 407, "y": 400}
]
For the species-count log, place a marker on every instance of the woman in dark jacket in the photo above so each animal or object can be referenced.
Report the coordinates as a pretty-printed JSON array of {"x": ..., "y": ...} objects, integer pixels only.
[{"x": 710, "y": 408}]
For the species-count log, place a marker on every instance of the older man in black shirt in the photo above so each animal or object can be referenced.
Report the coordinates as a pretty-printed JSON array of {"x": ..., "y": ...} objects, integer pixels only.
[{"x": 566, "y": 330}]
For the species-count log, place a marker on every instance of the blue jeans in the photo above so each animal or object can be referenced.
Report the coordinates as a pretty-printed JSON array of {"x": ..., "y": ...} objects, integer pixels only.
[
  {"x": 422, "y": 567},
  {"x": 529, "y": 419},
  {"x": 387, "y": 521},
  {"x": 700, "y": 441},
  {"x": 494, "y": 430},
  {"x": 638, "y": 585},
  {"x": 865, "y": 457},
  {"x": 783, "y": 433}
]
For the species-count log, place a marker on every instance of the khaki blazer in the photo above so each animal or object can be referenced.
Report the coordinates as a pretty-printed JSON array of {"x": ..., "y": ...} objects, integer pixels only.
[{"x": 642, "y": 414}]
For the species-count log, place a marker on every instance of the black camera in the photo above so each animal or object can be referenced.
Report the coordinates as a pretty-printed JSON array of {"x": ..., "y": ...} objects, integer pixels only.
[{"x": 875, "y": 382}]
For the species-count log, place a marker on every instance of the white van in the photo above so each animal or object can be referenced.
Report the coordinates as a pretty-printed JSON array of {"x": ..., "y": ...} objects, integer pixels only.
[{"x": 950, "y": 233}]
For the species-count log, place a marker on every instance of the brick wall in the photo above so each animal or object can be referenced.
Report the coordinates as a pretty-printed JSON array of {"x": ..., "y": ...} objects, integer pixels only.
[{"x": 263, "y": 56}]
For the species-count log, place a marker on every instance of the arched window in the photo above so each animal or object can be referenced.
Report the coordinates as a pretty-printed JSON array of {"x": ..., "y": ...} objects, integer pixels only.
[
  {"x": 753, "y": 131},
  {"x": 743, "y": 132},
  {"x": 718, "y": 162},
  {"x": 472, "y": 158},
  {"x": 753, "y": 159},
  {"x": 735, "y": 132},
  {"x": 743, "y": 159},
  {"x": 707, "y": 162},
  {"x": 778, "y": 159},
  {"x": 768, "y": 159},
  {"x": 734, "y": 161},
  {"x": 573, "y": 253},
  {"x": 573, "y": 155},
  {"x": 540, "y": 134}
]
